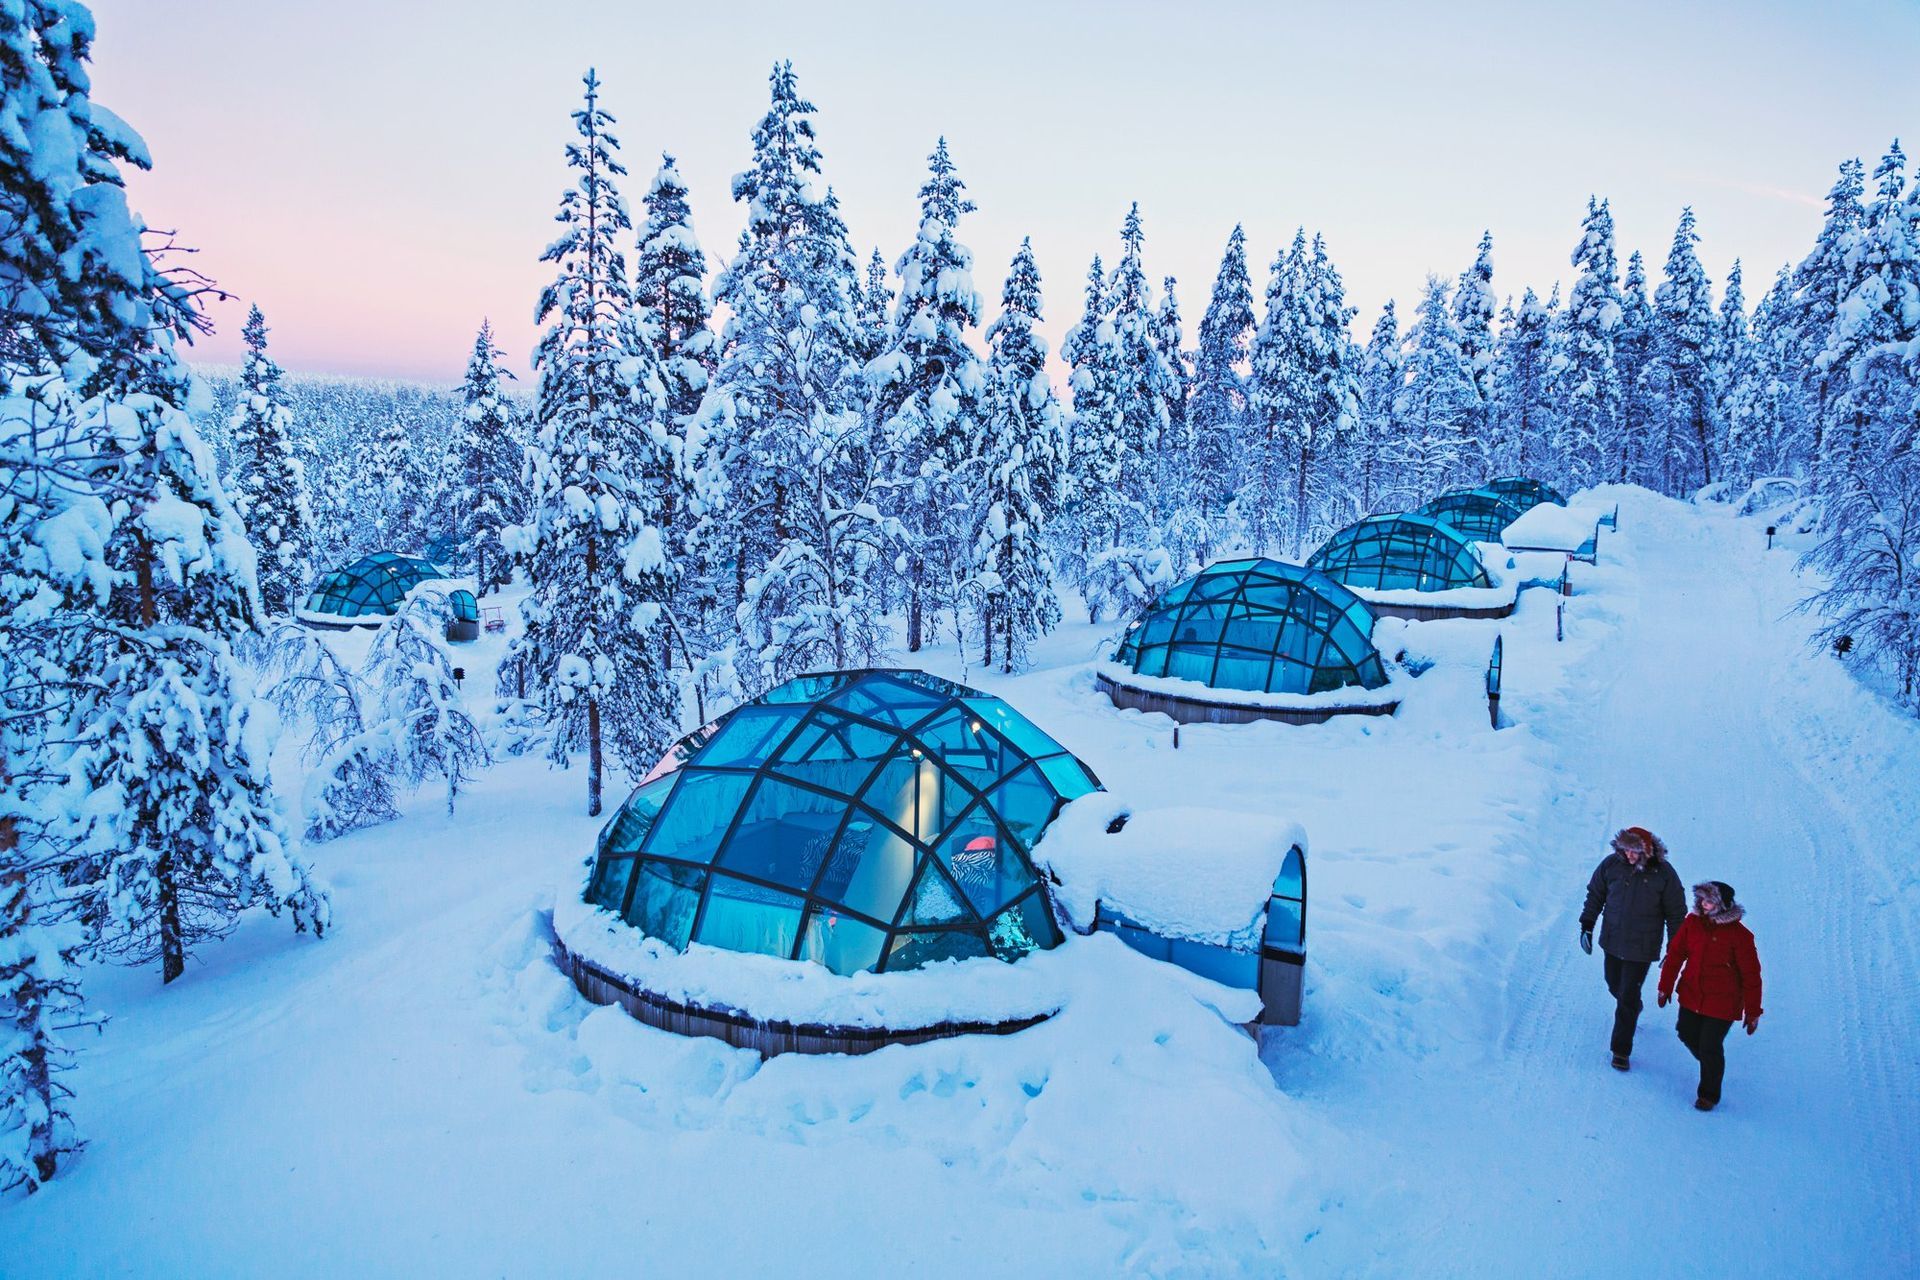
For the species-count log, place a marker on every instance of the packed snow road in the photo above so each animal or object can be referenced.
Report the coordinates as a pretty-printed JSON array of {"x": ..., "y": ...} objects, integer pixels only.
[
  {"x": 422, "y": 1093},
  {"x": 1763, "y": 765}
]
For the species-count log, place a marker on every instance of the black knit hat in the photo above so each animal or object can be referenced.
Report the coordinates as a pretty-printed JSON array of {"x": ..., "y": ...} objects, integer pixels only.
[{"x": 1726, "y": 893}]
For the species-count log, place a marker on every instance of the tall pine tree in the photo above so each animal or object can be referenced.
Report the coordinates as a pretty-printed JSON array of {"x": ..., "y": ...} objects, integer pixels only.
[
  {"x": 1217, "y": 412},
  {"x": 1024, "y": 460},
  {"x": 268, "y": 482},
  {"x": 597, "y": 560}
]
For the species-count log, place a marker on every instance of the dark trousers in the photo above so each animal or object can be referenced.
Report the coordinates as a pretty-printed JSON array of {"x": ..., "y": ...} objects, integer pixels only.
[
  {"x": 1625, "y": 978},
  {"x": 1706, "y": 1039}
]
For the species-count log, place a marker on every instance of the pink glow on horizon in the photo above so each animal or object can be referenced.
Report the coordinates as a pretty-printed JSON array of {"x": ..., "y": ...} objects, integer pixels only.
[{"x": 380, "y": 177}]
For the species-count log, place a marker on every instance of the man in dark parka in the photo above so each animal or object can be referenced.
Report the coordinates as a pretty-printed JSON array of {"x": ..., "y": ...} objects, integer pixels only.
[{"x": 1639, "y": 895}]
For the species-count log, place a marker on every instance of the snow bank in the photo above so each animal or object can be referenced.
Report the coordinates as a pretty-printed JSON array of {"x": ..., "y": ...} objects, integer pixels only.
[
  {"x": 1553, "y": 528},
  {"x": 778, "y": 990},
  {"x": 1183, "y": 872},
  {"x": 1174, "y": 686}
]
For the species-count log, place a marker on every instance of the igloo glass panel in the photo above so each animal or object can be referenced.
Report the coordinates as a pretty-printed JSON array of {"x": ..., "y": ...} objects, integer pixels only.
[
  {"x": 840, "y": 942},
  {"x": 629, "y": 828},
  {"x": 610, "y": 879},
  {"x": 913, "y": 950},
  {"x": 869, "y": 870},
  {"x": 749, "y": 736},
  {"x": 1025, "y": 803},
  {"x": 1069, "y": 777},
  {"x": 739, "y": 916},
  {"x": 984, "y": 862},
  {"x": 1021, "y": 732},
  {"x": 1238, "y": 669},
  {"x": 783, "y": 834},
  {"x": 1023, "y": 927},
  {"x": 665, "y": 898},
  {"x": 695, "y": 819}
]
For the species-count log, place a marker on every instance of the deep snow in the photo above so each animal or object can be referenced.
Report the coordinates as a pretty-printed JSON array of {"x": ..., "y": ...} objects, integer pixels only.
[{"x": 421, "y": 1092}]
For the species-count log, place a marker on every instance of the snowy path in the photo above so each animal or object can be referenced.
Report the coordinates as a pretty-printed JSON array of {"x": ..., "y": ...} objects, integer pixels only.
[{"x": 1698, "y": 728}]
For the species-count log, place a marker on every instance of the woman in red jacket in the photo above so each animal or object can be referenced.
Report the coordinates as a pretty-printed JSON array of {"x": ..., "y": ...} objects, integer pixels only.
[{"x": 1713, "y": 957}]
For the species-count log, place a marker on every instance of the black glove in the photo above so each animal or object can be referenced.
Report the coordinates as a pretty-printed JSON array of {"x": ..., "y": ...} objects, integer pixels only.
[{"x": 1586, "y": 941}]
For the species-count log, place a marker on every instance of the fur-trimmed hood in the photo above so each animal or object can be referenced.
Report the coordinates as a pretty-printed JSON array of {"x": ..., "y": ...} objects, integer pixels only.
[
  {"x": 1656, "y": 847},
  {"x": 1720, "y": 911}
]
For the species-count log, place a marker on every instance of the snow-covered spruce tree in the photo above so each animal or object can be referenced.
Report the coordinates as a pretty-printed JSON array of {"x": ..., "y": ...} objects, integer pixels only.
[
  {"x": 489, "y": 481},
  {"x": 924, "y": 394},
  {"x": 422, "y": 718},
  {"x": 53, "y": 529},
  {"x": 1437, "y": 403},
  {"x": 268, "y": 482},
  {"x": 184, "y": 832},
  {"x": 75, "y": 282},
  {"x": 1189, "y": 527},
  {"x": 1169, "y": 338},
  {"x": 1025, "y": 443},
  {"x": 1145, "y": 384},
  {"x": 1303, "y": 396},
  {"x": 1277, "y": 388},
  {"x": 1474, "y": 305},
  {"x": 1096, "y": 451},
  {"x": 593, "y": 652},
  {"x": 79, "y": 296},
  {"x": 1522, "y": 437},
  {"x": 1376, "y": 444},
  {"x": 1877, "y": 319},
  {"x": 1682, "y": 351},
  {"x": 392, "y": 485},
  {"x": 1217, "y": 410},
  {"x": 670, "y": 280},
  {"x": 873, "y": 303},
  {"x": 1725, "y": 357},
  {"x": 1588, "y": 383},
  {"x": 1642, "y": 422},
  {"x": 39, "y": 997},
  {"x": 350, "y": 781},
  {"x": 786, "y": 413},
  {"x": 1870, "y": 558},
  {"x": 1766, "y": 424},
  {"x": 1821, "y": 283}
]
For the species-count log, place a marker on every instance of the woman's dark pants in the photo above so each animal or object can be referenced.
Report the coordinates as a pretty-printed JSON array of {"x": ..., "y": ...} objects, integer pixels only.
[{"x": 1706, "y": 1039}]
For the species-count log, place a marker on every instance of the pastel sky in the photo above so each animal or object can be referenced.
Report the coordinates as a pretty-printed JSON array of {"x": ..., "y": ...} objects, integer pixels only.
[{"x": 380, "y": 176}]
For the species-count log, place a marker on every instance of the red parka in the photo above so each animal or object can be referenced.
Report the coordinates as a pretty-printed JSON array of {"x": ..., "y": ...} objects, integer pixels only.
[{"x": 1718, "y": 968}]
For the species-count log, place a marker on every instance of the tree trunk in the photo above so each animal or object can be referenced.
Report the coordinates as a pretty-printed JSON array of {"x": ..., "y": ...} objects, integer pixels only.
[
  {"x": 916, "y": 621},
  {"x": 593, "y": 757},
  {"x": 173, "y": 947},
  {"x": 1300, "y": 495},
  {"x": 37, "y": 1078}
]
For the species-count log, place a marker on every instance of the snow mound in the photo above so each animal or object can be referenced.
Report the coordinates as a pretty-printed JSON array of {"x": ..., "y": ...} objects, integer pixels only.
[{"x": 1183, "y": 872}]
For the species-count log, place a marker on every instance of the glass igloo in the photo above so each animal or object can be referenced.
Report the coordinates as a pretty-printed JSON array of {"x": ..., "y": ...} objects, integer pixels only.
[
  {"x": 368, "y": 591},
  {"x": 1401, "y": 553},
  {"x": 1259, "y": 625},
  {"x": 1480, "y": 514},
  {"x": 1525, "y": 491},
  {"x": 864, "y": 820}
]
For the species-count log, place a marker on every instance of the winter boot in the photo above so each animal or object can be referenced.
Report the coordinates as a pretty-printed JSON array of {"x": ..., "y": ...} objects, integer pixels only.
[
  {"x": 1619, "y": 1062},
  {"x": 1704, "y": 1104}
]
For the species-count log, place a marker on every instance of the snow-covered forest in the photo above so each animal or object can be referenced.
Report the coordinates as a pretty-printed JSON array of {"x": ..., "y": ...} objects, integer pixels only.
[{"x": 723, "y": 467}]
